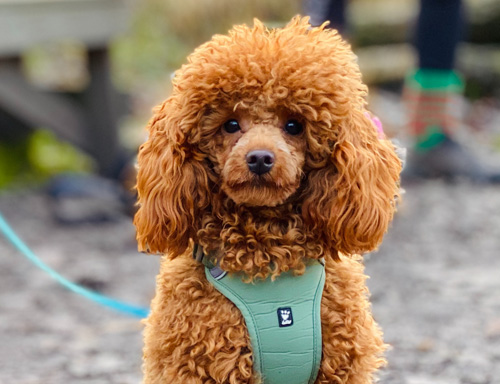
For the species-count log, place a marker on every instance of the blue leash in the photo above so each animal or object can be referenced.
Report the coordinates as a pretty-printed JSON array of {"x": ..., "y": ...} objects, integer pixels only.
[{"x": 105, "y": 301}]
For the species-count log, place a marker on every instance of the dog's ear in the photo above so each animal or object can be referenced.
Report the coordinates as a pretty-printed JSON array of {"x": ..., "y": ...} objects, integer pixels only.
[
  {"x": 172, "y": 184},
  {"x": 351, "y": 201}
]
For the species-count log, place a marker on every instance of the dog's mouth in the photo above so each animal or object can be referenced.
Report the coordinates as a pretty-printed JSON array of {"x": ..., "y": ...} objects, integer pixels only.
[
  {"x": 261, "y": 190},
  {"x": 255, "y": 181}
]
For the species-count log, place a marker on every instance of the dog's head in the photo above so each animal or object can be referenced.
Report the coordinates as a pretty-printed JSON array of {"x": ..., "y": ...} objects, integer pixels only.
[{"x": 266, "y": 118}]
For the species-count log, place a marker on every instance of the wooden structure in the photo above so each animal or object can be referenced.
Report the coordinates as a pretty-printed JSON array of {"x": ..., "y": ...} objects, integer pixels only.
[{"x": 90, "y": 123}]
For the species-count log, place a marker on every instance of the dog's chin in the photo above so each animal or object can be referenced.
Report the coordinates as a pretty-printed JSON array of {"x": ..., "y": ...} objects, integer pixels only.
[{"x": 259, "y": 194}]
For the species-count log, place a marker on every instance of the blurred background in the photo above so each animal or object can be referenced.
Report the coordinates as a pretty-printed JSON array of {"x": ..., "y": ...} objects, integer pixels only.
[{"x": 78, "y": 80}]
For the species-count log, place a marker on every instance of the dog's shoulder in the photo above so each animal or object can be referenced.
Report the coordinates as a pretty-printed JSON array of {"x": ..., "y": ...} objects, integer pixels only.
[
  {"x": 182, "y": 280},
  {"x": 192, "y": 322},
  {"x": 181, "y": 276}
]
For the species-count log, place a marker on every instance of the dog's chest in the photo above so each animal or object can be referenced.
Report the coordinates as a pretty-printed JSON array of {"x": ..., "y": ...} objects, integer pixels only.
[{"x": 283, "y": 321}]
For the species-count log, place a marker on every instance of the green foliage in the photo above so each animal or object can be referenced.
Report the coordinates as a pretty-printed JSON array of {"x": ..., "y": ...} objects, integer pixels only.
[
  {"x": 38, "y": 157},
  {"x": 164, "y": 32},
  {"x": 13, "y": 161},
  {"x": 48, "y": 156}
]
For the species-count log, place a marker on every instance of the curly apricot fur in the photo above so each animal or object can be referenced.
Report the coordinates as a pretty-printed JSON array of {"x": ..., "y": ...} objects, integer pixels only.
[{"x": 331, "y": 193}]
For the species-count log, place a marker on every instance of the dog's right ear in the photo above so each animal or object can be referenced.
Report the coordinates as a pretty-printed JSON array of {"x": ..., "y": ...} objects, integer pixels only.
[
  {"x": 172, "y": 184},
  {"x": 352, "y": 200}
]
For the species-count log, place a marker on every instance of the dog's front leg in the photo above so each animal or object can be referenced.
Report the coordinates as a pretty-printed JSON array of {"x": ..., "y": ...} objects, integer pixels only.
[
  {"x": 352, "y": 342},
  {"x": 194, "y": 335}
]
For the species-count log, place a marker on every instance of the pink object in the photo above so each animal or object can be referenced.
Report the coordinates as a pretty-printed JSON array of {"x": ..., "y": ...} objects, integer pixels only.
[{"x": 378, "y": 124}]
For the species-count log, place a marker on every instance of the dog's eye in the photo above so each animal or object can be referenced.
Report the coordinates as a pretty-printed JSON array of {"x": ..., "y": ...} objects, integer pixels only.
[
  {"x": 293, "y": 127},
  {"x": 231, "y": 126}
]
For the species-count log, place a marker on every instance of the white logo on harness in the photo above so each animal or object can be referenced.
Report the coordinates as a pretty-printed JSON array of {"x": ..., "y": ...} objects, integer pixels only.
[{"x": 285, "y": 317}]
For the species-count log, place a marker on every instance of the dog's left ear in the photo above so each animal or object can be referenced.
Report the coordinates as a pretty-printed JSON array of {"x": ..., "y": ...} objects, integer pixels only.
[
  {"x": 351, "y": 201},
  {"x": 172, "y": 184}
]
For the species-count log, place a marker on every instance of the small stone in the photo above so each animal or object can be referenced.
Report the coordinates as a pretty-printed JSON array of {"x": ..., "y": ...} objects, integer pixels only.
[
  {"x": 493, "y": 329},
  {"x": 426, "y": 345}
]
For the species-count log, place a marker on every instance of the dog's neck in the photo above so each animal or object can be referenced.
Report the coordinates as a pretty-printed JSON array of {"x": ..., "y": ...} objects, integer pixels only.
[{"x": 259, "y": 241}]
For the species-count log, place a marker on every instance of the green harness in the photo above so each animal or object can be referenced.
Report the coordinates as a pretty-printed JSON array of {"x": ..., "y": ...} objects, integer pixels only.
[{"x": 282, "y": 317}]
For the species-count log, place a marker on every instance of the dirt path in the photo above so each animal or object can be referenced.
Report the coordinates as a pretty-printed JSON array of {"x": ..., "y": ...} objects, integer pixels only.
[
  {"x": 436, "y": 286},
  {"x": 435, "y": 290}
]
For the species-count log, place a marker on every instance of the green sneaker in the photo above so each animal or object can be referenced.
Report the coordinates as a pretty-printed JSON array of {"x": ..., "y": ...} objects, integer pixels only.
[{"x": 431, "y": 97}]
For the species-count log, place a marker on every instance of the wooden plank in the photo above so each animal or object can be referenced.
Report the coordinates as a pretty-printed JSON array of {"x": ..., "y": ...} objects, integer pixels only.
[
  {"x": 38, "y": 109},
  {"x": 389, "y": 63},
  {"x": 25, "y": 23},
  {"x": 100, "y": 105}
]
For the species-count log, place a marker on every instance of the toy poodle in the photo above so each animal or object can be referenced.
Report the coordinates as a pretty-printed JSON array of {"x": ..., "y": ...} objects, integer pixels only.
[{"x": 263, "y": 175}]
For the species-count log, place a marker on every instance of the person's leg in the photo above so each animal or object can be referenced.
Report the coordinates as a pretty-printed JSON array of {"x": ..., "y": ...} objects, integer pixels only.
[
  {"x": 323, "y": 10},
  {"x": 439, "y": 30},
  {"x": 431, "y": 94},
  {"x": 336, "y": 14},
  {"x": 431, "y": 88}
]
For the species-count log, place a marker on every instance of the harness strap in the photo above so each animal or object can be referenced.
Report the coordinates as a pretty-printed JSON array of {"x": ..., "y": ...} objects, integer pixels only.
[{"x": 282, "y": 318}]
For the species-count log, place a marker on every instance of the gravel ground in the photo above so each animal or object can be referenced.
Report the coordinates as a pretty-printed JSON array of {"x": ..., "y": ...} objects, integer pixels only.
[{"x": 435, "y": 286}]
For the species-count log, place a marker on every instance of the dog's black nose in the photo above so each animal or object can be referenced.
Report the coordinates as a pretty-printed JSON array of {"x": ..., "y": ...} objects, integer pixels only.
[{"x": 260, "y": 161}]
